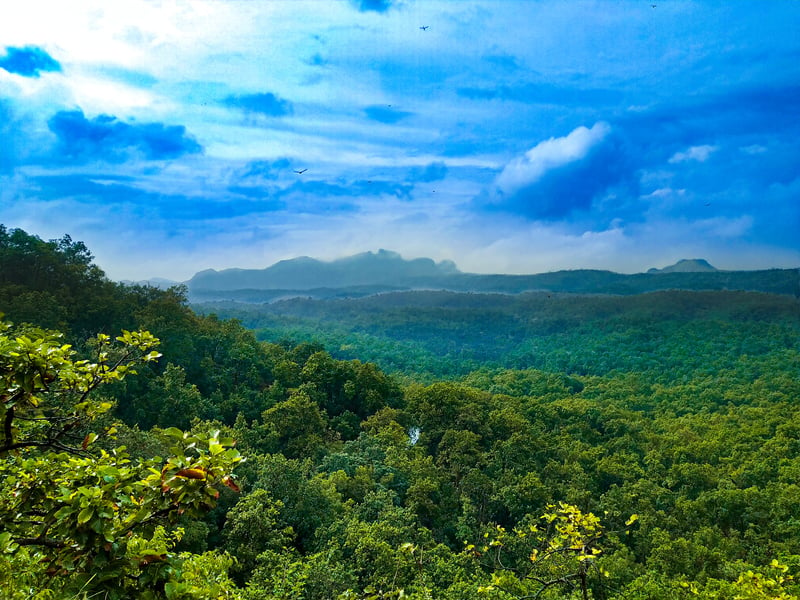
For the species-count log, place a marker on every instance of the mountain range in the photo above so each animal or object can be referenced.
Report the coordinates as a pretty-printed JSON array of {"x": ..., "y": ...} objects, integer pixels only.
[
  {"x": 385, "y": 271},
  {"x": 382, "y": 268}
]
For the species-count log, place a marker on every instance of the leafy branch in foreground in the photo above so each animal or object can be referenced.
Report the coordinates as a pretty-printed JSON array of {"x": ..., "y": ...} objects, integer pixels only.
[
  {"x": 556, "y": 553},
  {"x": 82, "y": 520},
  {"x": 46, "y": 394}
]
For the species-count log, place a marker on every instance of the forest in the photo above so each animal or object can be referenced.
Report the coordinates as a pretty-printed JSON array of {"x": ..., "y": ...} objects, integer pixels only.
[{"x": 411, "y": 445}]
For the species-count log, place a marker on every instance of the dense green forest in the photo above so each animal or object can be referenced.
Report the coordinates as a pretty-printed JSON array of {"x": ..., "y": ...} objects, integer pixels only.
[
  {"x": 425, "y": 445},
  {"x": 435, "y": 335}
]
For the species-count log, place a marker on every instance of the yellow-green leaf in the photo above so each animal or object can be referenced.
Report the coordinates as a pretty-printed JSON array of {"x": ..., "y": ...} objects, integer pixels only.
[{"x": 85, "y": 514}]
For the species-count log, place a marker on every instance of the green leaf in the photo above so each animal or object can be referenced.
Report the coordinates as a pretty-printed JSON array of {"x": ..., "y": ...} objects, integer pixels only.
[
  {"x": 63, "y": 512},
  {"x": 215, "y": 447},
  {"x": 174, "y": 432},
  {"x": 85, "y": 514}
]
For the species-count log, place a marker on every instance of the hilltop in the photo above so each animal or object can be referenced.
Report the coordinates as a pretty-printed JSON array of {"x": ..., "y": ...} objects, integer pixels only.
[{"x": 686, "y": 265}]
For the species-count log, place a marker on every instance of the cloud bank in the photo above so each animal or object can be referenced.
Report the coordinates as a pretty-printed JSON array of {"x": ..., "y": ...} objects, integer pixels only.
[
  {"x": 170, "y": 137},
  {"x": 105, "y": 138}
]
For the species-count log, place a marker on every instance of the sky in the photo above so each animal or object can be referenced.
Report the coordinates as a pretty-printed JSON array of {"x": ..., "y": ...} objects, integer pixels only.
[{"x": 508, "y": 136}]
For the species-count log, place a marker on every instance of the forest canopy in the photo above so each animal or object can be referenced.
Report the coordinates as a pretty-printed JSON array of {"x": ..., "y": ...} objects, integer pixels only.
[{"x": 451, "y": 446}]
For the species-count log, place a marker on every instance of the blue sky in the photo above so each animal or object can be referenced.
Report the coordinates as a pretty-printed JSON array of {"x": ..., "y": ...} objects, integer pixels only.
[{"x": 508, "y": 136}]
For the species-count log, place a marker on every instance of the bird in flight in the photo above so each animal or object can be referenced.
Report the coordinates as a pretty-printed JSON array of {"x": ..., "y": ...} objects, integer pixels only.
[
  {"x": 424, "y": 27},
  {"x": 653, "y": 5},
  {"x": 301, "y": 172}
]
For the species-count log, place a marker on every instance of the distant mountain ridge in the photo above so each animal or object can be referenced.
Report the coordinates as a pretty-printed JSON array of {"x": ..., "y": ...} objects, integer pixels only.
[
  {"x": 384, "y": 271},
  {"x": 366, "y": 269}
]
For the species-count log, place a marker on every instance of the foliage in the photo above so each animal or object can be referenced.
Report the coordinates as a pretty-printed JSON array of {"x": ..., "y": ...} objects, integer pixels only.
[
  {"x": 679, "y": 407},
  {"x": 562, "y": 551},
  {"x": 435, "y": 335},
  {"x": 78, "y": 518}
]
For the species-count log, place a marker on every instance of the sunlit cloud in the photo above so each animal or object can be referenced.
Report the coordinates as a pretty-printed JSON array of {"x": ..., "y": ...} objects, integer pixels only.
[
  {"x": 550, "y": 154},
  {"x": 97, "y": 94}
]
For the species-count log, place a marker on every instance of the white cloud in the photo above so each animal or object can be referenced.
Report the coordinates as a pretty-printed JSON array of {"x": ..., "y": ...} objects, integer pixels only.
[
  {"x": 550, "y": 154},
  {"x": 754, "y": 149},
  {"x": 698, "y": 153},
  {"x": 96, "y": 95},
  {"x": 665, "y": 192},
  {"x": 721, "y": 227},
  {"x": 120, "y": 33}
]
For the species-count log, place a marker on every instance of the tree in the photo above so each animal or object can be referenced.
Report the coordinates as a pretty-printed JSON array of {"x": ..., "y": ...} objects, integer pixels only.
[
  {"x": 297, "y": 426},
  {"x": 78, "y": 515},
  {"x": 555, "y": 554},
  {"x": 251, "y": 527}
]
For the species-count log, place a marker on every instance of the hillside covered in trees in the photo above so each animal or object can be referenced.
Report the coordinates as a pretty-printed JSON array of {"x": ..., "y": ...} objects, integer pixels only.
[
  {"x": 431, "y": 335},
  {"x": 417, "y": 445}
]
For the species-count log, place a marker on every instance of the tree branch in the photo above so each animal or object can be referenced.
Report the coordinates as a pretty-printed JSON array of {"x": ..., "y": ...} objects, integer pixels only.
[
  {"x": 8, "y": 436},
  {"x": 56, "y": 445},
  {"x": 39, "y": 541}
]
